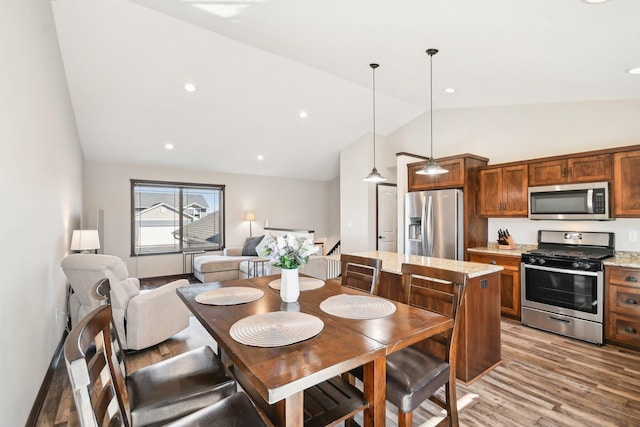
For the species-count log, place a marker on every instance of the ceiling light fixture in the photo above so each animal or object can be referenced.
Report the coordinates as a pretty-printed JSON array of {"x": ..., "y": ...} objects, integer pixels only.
[
  {"x": 635, "y": 70},
  {"x": 260, "y": 157},
  {"x": 303, "y": 114},
  {"x": 374, "y": 176},
  {"x": 450, "y": 90},
  {"x": 169, "y": 146},
  {"x": 432, "y": 167},
  {"x": 190, "y": 87},
  {"x": 594, "y": 1}
]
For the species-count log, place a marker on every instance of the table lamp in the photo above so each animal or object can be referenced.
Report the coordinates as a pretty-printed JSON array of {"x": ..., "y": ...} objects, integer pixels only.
[
  {"x": 85, "y": 241},
  {"x": 250, "y": 216}
]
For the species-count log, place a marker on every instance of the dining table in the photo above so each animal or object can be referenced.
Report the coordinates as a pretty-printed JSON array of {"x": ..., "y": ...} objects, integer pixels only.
[{"x": 281, "y": 373}]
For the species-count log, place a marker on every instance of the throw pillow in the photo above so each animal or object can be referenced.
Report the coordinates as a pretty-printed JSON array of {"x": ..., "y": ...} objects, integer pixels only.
[
  {"x": 261, "y": 246},
  {"x": 249, "y": 248}
]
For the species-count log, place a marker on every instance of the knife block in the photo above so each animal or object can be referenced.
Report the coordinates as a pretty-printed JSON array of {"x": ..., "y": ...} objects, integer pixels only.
[{"x": 510, "y": 244}]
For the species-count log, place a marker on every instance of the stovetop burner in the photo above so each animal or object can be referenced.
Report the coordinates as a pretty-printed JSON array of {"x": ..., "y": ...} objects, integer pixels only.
[
  {"x": 571, "y": 250},
  {"x": 570, "y": 254}
]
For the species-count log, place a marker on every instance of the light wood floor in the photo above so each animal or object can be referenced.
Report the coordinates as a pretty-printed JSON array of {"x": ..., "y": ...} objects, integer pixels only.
[{"x": 544, "y": 380}]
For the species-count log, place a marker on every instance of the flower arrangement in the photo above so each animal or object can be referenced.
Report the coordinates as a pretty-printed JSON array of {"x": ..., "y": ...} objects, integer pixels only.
[{"x": 288, "y": 251}]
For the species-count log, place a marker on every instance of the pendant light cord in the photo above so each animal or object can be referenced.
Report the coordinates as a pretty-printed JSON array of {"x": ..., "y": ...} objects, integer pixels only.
[
  {"x": 373, "y": 67},
  {"x": 431, "y": 102}
]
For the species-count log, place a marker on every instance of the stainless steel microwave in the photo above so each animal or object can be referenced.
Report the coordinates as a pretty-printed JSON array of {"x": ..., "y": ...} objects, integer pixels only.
[{"x": 588, "y": 201}]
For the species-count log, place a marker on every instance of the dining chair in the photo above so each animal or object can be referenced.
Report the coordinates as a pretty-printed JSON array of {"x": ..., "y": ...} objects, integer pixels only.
[
  {"x": 172, "y": 387},
  {"x": 415, "y": 373},
  {"x": 102, "y": 398},
  {"x": 360, "y": 273}
]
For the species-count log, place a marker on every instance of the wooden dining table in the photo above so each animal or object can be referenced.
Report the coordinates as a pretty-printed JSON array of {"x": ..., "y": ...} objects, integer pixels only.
[{"x": 282, "y": 374}]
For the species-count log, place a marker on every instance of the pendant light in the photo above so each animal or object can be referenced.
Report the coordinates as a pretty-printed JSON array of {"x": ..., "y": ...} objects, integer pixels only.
[
  {"x": 432, "y": 167},
  {"x": 374, "y": 176}
]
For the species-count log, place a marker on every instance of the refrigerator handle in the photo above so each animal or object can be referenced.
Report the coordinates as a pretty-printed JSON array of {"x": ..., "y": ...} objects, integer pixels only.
[{"x": 428, "y": 226}]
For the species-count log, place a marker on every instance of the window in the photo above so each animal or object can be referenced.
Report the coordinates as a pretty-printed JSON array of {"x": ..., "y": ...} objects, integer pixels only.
[{"x": 169, "y": 217}]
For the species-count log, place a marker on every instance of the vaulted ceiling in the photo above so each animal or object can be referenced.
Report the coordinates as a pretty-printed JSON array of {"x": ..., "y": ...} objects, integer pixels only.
[{"x": 256, "y": 64}]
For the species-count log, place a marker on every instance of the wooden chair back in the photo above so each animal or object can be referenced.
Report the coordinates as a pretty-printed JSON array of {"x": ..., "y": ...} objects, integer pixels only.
[
  {"x": 98, "y": 384},
  {"x": 101, "y": 295},
  {"x": 360, "y": 273},
  {"x": 441, "y": 291}
]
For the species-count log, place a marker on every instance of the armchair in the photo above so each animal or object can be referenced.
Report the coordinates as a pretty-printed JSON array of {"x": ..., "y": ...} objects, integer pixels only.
[{"x": 142, "y": 319}]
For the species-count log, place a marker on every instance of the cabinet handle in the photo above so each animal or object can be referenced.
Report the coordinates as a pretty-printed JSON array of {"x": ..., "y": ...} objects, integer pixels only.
[
  {"x": 630, "y": 301},
  {"x": 563, "y": 172},
  {"x": 629, "y": 329},
  {"x": 630, "y": 279},
  {"x": 569, "y": 172},
  {"x": 492, "y": 262}
]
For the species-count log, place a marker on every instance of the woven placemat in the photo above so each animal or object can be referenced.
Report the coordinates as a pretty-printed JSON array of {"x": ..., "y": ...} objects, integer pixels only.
[
  {"x": 276, "y": 329},
  {"x": 229, "y": 296},
  {"x": 357, "y": 306},
  {"x": 306, "y": 283}
]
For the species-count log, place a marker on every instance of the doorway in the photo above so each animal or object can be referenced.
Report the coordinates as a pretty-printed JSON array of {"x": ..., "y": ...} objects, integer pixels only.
[{"x": 386, "y": 214}]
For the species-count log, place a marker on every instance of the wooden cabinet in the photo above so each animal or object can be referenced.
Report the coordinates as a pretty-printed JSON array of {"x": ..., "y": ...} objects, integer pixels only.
[
  {"x": 626, "y": 184},
  {"x": 622, "y": 313},
  {"x": 452, "y": 179},
  {"x": 503, "y": 191},
  {"x": 509, "y": 280},
  {"x": 571, "y": 170}
]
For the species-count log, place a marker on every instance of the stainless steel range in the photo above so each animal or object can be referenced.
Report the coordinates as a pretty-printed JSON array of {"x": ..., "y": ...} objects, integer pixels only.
[{"x": 563, "y": 283}]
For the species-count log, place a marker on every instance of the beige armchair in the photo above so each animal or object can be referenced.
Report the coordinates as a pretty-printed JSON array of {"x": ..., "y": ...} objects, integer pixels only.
[{"x": 142, "y": 319}]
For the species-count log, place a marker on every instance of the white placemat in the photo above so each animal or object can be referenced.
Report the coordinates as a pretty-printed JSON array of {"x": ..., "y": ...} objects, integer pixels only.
[
  {"x": 357, "y": 306},
  {"x": 229, "y": 296},
  {"x": 275, "y": 329},
  {"x": 306, "y": 283}
]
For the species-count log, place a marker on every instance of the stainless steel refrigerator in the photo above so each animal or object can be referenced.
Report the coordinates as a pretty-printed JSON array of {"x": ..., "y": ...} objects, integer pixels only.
[{"x": 434, "y": 224}]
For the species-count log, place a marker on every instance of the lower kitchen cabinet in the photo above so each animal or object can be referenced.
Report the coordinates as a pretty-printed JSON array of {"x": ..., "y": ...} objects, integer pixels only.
[
  {"x": 622, "y": 314},
  {"x": 509, "y": 280}
]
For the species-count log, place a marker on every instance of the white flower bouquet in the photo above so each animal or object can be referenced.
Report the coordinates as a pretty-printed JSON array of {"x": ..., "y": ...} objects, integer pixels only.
[{"x": 288, "y": 251}]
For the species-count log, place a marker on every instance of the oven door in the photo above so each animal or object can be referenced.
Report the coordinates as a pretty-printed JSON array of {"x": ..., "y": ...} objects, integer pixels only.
[{"x": 570, "y": 292}]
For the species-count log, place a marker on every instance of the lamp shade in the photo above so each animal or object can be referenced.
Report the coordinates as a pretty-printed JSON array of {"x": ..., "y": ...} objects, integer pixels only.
[
  {"x": 250, "y": 216},
  {"x": 85, "y": 240}
]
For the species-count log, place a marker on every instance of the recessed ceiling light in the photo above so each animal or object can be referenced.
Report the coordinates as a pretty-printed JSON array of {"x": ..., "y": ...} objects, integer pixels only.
[
  {"x": 450, "y": 90},
  {"x": 594, "y": 1},
  {"x": 635, "y": 70},
  {"x": 190, "y": 87},
  {"x": 168, "y": 146},
  {"x": 260, "y": 157},
  {"x": 303, "y": 114}
]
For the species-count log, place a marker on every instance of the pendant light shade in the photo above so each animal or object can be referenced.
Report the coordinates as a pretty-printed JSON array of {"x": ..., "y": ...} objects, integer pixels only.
[
  {"x": 432, "y": 167},
  {"x": 374, "y": 176}
]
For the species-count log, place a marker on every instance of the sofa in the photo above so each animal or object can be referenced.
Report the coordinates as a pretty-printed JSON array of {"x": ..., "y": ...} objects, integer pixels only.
[{"x": 242, "y": 262}]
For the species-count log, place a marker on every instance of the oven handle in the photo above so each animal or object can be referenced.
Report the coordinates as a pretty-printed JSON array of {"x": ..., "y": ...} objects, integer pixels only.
[{"x": 561, "y": 270}]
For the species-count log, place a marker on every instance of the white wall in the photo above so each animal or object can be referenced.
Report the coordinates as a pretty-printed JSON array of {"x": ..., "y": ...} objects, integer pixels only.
[
  {"x": 41, "y": 187},
  {"x": 505, "y": 134},
  {"x": 285, "y": 203}
]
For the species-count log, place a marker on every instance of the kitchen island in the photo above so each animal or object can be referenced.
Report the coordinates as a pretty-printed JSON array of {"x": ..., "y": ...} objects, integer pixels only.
[{"x": 479, "y": 339}]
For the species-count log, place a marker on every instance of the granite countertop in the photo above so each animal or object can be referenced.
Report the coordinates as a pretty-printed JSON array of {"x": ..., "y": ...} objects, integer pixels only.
[
  {"x": 624, "y": 259},
  {"x": 494, "y": 248},
  {"x": 392, "y": 263}
]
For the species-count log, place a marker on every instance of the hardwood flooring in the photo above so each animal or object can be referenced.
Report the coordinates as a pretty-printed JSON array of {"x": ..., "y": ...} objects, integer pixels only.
[{"x": 544, "y": 380}]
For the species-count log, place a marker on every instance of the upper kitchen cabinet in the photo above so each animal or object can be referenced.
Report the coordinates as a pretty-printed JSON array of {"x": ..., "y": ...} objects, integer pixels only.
[
  {"x": 452, "y": 179},
  {"x": 571, "y": 169},
  {"x": 503, "y": 191},
  {"x": 626, "y": 183}
]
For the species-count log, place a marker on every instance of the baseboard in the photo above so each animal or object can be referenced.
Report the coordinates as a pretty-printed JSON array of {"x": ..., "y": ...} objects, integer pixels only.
[{"x": 46, "y": 383}]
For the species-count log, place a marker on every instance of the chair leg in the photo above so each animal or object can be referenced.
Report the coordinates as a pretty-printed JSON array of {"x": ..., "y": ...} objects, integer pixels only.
[
  {"x": 405, "y": 419},
  {"x": 452, "y": 402}
]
